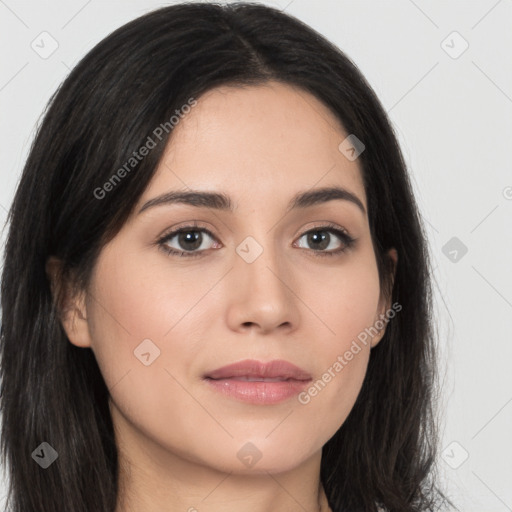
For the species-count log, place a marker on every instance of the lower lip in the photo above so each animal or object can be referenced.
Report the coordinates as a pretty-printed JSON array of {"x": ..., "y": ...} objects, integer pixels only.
[{"x": 257, "y": 392}]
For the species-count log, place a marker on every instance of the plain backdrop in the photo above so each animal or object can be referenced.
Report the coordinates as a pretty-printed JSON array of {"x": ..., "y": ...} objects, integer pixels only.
[{"x": 443, "y": 71}]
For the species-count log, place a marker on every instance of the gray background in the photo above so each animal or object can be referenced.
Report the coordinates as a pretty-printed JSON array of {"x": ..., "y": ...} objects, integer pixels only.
[{"x": 452, "y": 111}]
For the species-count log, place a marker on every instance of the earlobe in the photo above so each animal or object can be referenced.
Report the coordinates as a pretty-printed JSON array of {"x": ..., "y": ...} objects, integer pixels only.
[
  {"x": 376, "y": 339},
  {"x": 70, "y": 305}
]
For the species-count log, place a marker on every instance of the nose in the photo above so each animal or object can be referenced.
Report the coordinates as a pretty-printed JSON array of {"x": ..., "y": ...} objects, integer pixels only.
[{"x": 261, "y": 293}]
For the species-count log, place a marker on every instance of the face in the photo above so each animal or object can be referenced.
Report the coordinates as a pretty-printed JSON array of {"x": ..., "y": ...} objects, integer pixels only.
[{"x": 261, "y": 280}]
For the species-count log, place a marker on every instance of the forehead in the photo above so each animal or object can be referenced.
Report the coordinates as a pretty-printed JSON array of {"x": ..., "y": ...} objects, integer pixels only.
[{"x": 258, "y": 143}]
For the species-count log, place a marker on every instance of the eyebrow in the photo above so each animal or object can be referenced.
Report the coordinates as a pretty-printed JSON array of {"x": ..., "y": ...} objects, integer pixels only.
[{"x": 220, "y": 201}]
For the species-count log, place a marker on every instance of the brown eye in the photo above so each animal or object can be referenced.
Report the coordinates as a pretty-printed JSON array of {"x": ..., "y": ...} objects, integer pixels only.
[
  {"x": 321, "y": 238},
  {"x": 188, "y": 240}
]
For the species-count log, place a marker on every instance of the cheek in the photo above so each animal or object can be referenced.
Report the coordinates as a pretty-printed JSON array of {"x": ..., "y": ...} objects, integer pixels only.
[
  {"x": 345, "y": 299},
  {"x": 135, "y": 311},
  {"x": 140, "y": 334},
  {"x": 138, "y": 297},
  {"x": 348, "y": 309}
]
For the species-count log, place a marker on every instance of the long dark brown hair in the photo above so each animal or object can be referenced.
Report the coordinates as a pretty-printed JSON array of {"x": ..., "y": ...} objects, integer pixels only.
[{"x": 130, "y": 83}]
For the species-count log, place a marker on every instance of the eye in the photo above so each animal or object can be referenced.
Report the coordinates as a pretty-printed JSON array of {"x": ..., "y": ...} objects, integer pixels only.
[
  {"x": 190, "y": 241},
  {"x": 320, "y": 238}
]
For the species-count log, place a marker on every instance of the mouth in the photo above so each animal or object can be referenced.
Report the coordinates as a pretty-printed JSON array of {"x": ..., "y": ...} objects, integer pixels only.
[
  {"x": 258, "y": 379},
  {"x": 257, "y": 382}
]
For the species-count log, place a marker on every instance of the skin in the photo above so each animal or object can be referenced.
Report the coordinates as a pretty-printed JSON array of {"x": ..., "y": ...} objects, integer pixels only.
[{"x": 178, "y": 440}]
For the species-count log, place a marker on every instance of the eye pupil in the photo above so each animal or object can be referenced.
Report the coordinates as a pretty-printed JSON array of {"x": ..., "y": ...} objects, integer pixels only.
[
  {"x": 190, "y": 237},
  {"x": 315, "y": 238}
]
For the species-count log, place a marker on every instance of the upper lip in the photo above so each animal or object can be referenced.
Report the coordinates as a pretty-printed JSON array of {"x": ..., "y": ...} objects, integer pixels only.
[{"x": 251, "y": 368}]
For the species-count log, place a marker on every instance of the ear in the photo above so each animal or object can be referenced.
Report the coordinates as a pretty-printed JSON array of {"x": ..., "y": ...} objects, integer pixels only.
[
  {"x": 70, "y": 304},
  {"x": 381, "y": 320}
]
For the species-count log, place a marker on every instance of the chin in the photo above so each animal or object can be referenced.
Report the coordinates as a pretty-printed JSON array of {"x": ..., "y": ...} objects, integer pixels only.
[{"x": 259, "y": 456}]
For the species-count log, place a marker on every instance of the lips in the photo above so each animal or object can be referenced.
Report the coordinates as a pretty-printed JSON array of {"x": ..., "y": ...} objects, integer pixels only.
[
  {"x": 256, "y": 371},
  {"x": 258, "y": 383}
]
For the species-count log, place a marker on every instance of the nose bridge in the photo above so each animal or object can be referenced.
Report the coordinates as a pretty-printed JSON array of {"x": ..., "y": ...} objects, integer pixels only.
[
  {"x": 261, "y": 292},
  {"x": 259, "y": 260}
]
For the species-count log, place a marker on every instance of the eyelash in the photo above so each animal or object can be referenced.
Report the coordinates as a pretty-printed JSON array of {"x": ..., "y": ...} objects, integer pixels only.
[{"x": 346, "y": 239}]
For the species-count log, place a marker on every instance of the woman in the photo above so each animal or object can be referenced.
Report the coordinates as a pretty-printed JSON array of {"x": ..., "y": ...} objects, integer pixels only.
[{"x": 216, "y": 284}]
